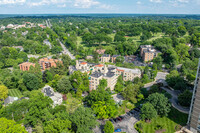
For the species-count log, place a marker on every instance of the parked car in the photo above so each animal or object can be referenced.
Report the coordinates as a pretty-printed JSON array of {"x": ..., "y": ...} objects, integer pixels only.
[
  {"x": 118, "y": 118},
  {"x": 112, "y": 120},
  {"x": 128, "y": 113},
  {"x": 115, "y": 120},
  {"x": 122, "y": 117},
  {"x": 118, "y": 130},
  {"x": 137, "y": 109}
]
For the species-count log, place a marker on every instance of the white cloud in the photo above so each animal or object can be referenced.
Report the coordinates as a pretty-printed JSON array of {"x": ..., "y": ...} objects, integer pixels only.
[
  {"x": 62, "y": 6},
  {"x": 139, "y": 2},
  {"x": 178, "y": 3},
  {"x": 4, "y": 2},
  {"x": 183, "y": 1},
  {"x": 85, "y": 3},
  {"x": 156, "y": 1},
  {"x": 46, "y": 2}
]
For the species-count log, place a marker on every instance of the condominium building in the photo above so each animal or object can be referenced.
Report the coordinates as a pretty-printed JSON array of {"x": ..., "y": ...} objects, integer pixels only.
[
  {"x": 44, "y": 63},
  {"x": 148, "y": 52},
  {"x": 26, "y": 66},
  {"x": 109, "y": 74},
  {"x": 105, "y": 58},
  {"x": 128, "y": 74},
  {"x": 98, "y": 72},
  {"x": 194, "y": 114}
]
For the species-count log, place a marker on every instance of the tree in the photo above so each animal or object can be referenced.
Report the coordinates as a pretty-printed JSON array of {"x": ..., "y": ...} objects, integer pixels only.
[
  {"x": 131, "y": 92},
  {"x": 182, "y": 51},
  {"x": 119, "y": 59},
  {"x": 38, "y": 110},
  {"x": 119, "y": 37},
  {"x": 3, "y": 92},
  {"x": 10, "y": 126},
  {"x": 64, "y": 85},
  {"x": 108, "y": 127},
  {"x": 57, "y": 126},
  {"x": 31, "y": 81},
  {"x": 47, "y": 76},
  {"x": 119, "y": 85},
  {"x": 105, "y": 110},
  {"x": 66, "y": 61},
  {"x": 158, "y": 60},
  {"x": 83, "y": 120},
  {"x": 148, "y": 111},
  {"x": 182, "y": 30},
  {"x": 160, "y": 103},
  {"x": 185, "y": 98}
]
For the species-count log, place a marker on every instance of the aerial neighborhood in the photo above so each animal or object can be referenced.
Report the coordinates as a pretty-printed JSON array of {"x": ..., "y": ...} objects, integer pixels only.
[{"x": 99, "y": 73}]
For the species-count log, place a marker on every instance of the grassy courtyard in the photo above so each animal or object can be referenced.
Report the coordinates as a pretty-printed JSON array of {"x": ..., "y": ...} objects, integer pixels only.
[
  {"x": 168, "y": 123},
  {"x": 14, "y": 93}
]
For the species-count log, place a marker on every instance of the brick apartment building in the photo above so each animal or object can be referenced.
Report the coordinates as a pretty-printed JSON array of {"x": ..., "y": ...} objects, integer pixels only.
[
  {"x": 45, "y": 63},
  {"x": 194, "y": 114},
  {"x": 148, "y": 52},
  {"x": 26, "y": 66}
]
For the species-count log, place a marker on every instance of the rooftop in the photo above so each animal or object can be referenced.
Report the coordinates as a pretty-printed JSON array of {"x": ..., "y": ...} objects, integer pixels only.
[
  {"x": 83, "y": 63},
  {"x": 96, "y": 74},
  {"x": 106, "y": 55},
  {"x": 115, "y": 55},
  {"x": 100, "y": 65}
]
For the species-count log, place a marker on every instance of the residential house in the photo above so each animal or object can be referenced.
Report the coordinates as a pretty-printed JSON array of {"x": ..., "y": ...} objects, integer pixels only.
[
  {"x": 55, "y": 96},
  {"x": 100, "y": 51},
  {"x": 10, "y": 100},
  {"x": 89, "y": 57},
  {"x": 105, "y": 58}
]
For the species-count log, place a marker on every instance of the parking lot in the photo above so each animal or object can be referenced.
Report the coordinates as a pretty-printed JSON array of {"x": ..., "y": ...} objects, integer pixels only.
[{"x": 125, "y": 122}]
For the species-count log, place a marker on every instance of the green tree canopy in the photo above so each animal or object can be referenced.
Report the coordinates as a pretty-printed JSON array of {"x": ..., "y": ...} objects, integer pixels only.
[
  {"x": 10, "y": 126},
  {"x": 108, "y": 127},
  {"x": 148, "y": 111},
  {"x": 160, "y": 103}
]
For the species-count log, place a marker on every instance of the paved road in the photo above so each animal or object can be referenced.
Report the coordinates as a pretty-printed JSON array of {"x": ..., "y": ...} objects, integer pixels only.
[
  {"x": 174, "y": 101},
  {"x": 66, "y": 51}
]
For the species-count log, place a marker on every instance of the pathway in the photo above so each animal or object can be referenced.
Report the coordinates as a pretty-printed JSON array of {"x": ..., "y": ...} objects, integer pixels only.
[{"x": 174, "y": 101}]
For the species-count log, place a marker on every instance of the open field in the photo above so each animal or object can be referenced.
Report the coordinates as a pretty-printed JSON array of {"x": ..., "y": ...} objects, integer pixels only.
[
  {"x": 169, "y": 123},
  {"x": 14, "y": 93}
]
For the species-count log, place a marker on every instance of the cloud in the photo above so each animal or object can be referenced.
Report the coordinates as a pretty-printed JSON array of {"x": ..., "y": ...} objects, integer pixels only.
[
  {"x": 6, "y": 2},
  {"x": 178, "y": 3},
  {"x": 139, "y": 2},
  {"x": 156, "y": 1},
  {"x": 85, "y": 3},
  {"x": 46, "y": 2}
]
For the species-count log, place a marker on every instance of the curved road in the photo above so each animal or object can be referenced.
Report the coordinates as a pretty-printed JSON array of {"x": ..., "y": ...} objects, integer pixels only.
[{"x": 174, "y": 101}]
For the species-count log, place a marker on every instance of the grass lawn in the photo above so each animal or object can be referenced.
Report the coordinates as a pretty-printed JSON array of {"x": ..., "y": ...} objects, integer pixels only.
[
  {"x": 156, "y": 36},
  {"x": 169, "y": 123},
  {"x": 14, "y": 93}
]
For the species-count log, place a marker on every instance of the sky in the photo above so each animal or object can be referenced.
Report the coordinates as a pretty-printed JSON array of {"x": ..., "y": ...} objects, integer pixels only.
[{"x": 99, "y": 6}]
